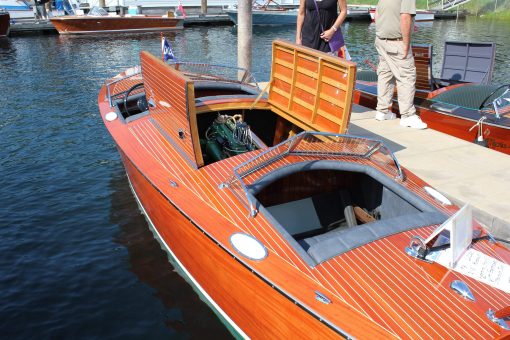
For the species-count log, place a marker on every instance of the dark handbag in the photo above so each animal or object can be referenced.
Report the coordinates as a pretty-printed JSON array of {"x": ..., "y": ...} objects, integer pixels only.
[{"x": 337, "y": 40}]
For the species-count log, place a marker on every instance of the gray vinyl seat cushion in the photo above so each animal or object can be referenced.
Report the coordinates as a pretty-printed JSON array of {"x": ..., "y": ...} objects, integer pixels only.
[{"x": 336, "y": 242}]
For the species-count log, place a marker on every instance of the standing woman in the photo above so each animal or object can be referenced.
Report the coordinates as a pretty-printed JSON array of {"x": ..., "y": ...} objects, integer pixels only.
[{"x": 309, "y": 32}]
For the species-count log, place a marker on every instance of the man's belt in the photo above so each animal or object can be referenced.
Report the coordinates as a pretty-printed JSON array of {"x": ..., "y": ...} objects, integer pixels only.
[{"x": 391, "y": 39}]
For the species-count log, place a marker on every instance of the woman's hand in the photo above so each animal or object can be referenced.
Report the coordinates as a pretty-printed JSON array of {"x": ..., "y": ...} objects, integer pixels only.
[{"x": 327, "y": 34}]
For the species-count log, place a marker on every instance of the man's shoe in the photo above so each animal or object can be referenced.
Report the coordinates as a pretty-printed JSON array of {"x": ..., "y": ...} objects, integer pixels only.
[
  {"x": 385, "y": 116},
  {"x": 413, "y": 122}
]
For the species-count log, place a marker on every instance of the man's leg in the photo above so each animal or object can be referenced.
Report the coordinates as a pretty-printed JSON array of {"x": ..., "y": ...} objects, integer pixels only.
[
  {"x": 385, "y": 80},
  {"x": 406, "y": 88},
  {"x": 406, "y": 83}
]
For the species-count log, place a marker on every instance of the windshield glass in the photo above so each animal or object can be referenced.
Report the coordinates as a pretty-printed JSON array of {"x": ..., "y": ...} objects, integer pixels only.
[{"x": 98, "y": 11}]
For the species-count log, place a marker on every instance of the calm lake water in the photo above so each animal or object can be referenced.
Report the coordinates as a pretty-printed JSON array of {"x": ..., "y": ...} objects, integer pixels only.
[{"x": 77, "y": 257}]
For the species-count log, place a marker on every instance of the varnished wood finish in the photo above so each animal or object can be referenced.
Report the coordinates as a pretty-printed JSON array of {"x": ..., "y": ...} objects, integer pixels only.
[
  {"x": 423, "y": 60},
  {"x": 4, "y": 24},
  {"x": 114, "y": 24},
  {"x": 246, "y": 297},
  {"x": 174, "y": 105},
  {"x": 311, "y": 90},
  {"x": 376, "y": 291}
]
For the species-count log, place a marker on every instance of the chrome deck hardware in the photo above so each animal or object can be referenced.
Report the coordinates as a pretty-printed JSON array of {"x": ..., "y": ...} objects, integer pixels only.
[
  {"x": 461, "y": 288},
  {"x": 417, "y": 248},
  {"x": 502, "y": 322},
  {"x": 322, "y": 298}
]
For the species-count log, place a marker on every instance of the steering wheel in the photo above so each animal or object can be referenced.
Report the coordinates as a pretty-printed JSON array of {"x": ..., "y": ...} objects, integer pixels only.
[
  {"x": 486, "y": 101},
  {"x": 126, "y": 96}
]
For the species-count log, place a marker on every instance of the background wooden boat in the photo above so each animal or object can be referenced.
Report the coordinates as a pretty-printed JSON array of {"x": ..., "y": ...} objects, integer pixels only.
[
  {"x": 197, "y": 204},
  {"x": 114, "y": 24},
  {"x": 454, "y": 120},
  {"x": 454, "y": 108},
  {"x": 5, "y": 24}
]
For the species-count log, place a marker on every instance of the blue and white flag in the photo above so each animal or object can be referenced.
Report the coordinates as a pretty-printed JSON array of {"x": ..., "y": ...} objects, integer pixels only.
[{"x": 166, "y": 50}]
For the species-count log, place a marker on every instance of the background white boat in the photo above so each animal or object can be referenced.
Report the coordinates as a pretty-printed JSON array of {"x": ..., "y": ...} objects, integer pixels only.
[{"x": 18, "y": 9}]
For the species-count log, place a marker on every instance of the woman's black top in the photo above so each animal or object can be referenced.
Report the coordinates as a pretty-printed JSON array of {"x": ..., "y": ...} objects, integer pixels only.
[{"x": 311, "y": 31}]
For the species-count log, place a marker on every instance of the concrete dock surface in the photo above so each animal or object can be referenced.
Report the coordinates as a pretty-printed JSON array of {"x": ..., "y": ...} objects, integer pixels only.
[{"x": 462, "y": 171}]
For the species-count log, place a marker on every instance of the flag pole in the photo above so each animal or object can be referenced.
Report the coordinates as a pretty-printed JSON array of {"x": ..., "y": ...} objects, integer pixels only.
[{"x": 161, "y": 41}]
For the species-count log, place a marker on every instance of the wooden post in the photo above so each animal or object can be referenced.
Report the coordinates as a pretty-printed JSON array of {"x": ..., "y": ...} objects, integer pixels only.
[
  {"x": 244, "y": 34},
  {"x": 203, "y": 7},
  {"x": 102, "y": 3}
]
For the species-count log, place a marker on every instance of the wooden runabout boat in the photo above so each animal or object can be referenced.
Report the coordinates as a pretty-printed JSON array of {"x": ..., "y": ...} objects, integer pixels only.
[
  {"x": 287, "y": 226},
  {"x": 87, "y": 24},
  {"x": 462, "y": 103},
  {"x": 5, "y": 23}
]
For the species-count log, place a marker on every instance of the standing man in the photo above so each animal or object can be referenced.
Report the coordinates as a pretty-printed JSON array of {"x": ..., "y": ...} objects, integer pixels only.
[{"x": 394, "y": 21}]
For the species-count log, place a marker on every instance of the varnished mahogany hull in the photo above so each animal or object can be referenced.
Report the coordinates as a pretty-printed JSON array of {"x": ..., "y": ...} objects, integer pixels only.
[
  {"x": 237, "y": 291},
  {"x": 373, "y": 291},
  {"x": 497, "y": 137},
  {"x": 87, "y": 25},
  {"x": 4, "y": 24}
]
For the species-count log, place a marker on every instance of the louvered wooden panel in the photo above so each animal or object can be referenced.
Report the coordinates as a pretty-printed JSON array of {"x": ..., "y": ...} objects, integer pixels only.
[
  {"x": 174, "y": 112},
  {"x": 312, "y": 89}
]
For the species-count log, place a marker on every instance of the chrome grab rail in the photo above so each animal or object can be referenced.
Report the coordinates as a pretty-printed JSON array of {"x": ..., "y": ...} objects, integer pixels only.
[
  {"x": 305, "y": 144},
  {"x": 204, "y": 71}
]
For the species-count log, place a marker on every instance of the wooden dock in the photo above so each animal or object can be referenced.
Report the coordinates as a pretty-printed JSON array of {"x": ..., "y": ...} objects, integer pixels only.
[{"x": 32, "y": 26}]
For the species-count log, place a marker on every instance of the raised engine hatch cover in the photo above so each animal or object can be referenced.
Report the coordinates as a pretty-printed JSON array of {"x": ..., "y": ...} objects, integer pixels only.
[{"x": 311, "y": 89}]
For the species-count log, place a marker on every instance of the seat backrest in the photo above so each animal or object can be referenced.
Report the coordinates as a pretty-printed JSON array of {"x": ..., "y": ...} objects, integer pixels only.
[
  {"x": 423, "y": 61},
  {"x": 470, "y": 62}
]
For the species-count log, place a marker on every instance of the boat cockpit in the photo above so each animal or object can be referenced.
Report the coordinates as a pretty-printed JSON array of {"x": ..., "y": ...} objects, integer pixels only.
[
  {"x": 325, "y": 192},
  {"x": 327, "y": 197}
]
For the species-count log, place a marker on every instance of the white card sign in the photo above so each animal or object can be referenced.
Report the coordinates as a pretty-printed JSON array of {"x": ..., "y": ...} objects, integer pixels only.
[
  {"x": 461, "y": 233},
  {"x": 478, "y": 266}
]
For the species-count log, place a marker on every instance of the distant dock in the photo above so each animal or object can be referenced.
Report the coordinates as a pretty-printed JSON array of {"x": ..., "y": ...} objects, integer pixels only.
[
  {"x": 449, "y": 15},
  {"x": 32, "y": 26}
]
